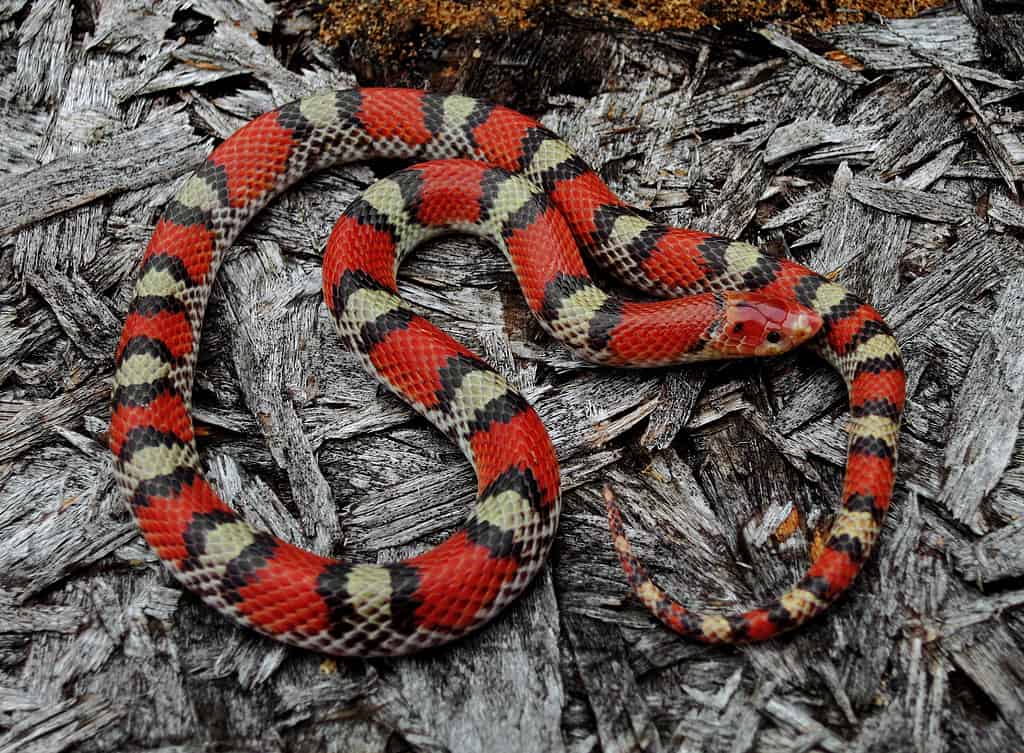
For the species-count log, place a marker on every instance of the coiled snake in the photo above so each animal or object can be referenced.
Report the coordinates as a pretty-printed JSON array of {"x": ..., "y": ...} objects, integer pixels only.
[{"x": 499, "y": 174}]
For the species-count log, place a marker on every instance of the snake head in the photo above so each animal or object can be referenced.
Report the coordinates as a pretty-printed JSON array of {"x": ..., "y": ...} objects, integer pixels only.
[{"x": 761, "y": 325}]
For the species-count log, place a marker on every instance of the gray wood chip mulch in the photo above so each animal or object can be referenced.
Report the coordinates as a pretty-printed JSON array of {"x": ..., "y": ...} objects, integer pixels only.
[{"x": 900, "y": 175}]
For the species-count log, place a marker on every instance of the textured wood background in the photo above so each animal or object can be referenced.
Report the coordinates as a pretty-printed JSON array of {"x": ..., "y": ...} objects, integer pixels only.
[{"x": 900, "y": 176}]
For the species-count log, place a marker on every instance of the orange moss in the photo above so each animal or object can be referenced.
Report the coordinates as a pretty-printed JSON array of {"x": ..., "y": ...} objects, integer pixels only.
[
  {"x": 383, "y": 23},
  {"x": 653, "y": 15}
]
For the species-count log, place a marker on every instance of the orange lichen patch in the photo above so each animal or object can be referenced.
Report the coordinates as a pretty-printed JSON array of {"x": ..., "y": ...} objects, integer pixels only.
[
  {"x": 788, "y": 527},
  {"x": 387, "y": 23},
  {"x": 838, "y": 56}
]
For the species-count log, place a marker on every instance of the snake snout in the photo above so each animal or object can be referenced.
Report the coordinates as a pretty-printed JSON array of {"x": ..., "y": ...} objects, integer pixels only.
[
  {"x": 801, "y": 324},
  {"x": 791, "y": 326},
  {"x": 767, "y": 326}
]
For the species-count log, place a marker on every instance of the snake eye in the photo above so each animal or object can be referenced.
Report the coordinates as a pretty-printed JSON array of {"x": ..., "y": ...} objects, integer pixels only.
[
  {"x": 773, "y": 337},
  {"x": 737, "y": 327}
]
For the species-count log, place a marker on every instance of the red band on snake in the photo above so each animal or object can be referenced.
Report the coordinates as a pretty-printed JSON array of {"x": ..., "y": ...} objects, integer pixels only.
[{"x": 533, "y": 197}]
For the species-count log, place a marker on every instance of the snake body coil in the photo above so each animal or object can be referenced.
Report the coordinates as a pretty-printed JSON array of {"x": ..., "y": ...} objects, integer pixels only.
[{"x": 505, "y": 177}]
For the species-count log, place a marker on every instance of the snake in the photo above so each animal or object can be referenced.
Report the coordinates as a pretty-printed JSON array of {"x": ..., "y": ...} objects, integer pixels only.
[{"x": 488, "y": 170}]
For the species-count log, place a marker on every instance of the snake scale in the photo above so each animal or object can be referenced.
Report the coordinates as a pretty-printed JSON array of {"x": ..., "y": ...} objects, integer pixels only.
[{"x": 494, "y": 172}]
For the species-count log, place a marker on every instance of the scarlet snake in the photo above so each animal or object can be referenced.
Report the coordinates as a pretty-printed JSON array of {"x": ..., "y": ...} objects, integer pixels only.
[{"x": 526, "y": 187}]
